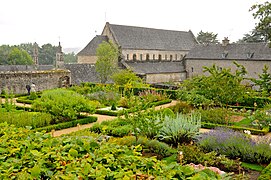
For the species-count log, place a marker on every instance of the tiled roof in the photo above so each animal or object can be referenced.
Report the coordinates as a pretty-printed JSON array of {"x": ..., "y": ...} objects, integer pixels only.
[
  {"x": 90, "y": 49},
  {"x": 242, "y": 51},
  {"x": 82, "y": 73},
  {"x": 131, "y": 37},
  {"x": 154, "y": 67}
]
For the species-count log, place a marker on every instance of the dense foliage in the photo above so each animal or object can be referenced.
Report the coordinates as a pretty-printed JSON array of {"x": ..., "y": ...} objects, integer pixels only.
[
  {"x": 235, "y": 144},
  {"x": 13, "y": 55},
  {"x": 62, "y": 104},
  {"x": 123, "y": 77},
  {"x": 28, "y": 155}
]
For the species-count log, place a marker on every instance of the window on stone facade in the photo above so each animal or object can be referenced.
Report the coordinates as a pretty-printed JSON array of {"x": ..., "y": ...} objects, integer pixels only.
[
  {"x": 127, "y": 57},
  {"x": 224, "y": 54},
  {"x": 181, "y": 57},
  {"x": 165, "y": 57},
  {"x": 159, "y": 57},
  {"x": 176, "y": 57},
  {"x": 192, "y": 69},
  {"x": 147, "y": 57},
  {"x": 170, "y": 57},
  {"x": 141, "y": 57},
  {"x": 153, "y": 57},
  {"x": 134, "y": 57}
]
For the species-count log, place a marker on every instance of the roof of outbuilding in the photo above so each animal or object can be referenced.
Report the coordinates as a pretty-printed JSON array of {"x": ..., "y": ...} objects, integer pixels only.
[
  {"x": 131, "y": 37},
  {"x": 82, "y": 73},
  {"x": 154, "y": 67},
  {"x": 90, "y": 49},
  {"x": 236, "y": 51}
]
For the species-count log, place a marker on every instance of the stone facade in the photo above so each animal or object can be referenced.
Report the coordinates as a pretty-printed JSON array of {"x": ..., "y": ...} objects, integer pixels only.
[
  {"x": 16, "y": 82},
  {"x": 86, "y": 59},
  {"x": 165, "y": 77},
  {"x": 254, "y": 68}
]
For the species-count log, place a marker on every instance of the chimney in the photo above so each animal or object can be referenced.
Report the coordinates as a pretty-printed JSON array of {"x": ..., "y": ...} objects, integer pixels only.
[{"x": 225, "y": 41}]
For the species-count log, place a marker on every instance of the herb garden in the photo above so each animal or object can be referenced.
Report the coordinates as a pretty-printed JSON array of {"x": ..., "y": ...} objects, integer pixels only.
[{"x": 141, "y": 142}]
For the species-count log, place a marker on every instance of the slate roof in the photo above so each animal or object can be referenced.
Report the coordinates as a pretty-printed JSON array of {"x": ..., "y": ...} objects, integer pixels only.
[
  {"x": 90, "y": 49},
  {"x": 82, "y": 73},
  {"x": 242, "y": 51},
  {"x": 131, "y": 37},
  {"x": 154, "y": 67}
]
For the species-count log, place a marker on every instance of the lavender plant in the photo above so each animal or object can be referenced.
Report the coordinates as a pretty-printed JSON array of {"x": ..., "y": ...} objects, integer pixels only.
[{"x": 236, "y": 145}]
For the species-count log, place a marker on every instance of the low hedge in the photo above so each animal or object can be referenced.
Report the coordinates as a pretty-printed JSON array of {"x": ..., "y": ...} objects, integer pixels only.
[
  {"x": 263, "y": 131},
  {"x": 87, "y": 120},
  {"x": 266, "y": 173},
  {"x": 24, "y": 100},
  {"x": 121, "y": 112},
  {"x": 25, "y": 108}
]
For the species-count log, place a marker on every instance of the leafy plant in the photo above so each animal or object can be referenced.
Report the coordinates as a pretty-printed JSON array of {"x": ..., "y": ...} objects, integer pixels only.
[
  {"x": 63, "y": 105},
  {"x": 214, "y": 115},
  {"x": 179, "y": 129}
]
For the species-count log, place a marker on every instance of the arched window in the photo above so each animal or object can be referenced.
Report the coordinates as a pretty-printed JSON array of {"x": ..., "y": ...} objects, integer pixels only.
[
  {"x": 141, "y": 57},
  {"x": 127, "y": 57},
  {"x": 134, "y": 57},
  {"x": 153, "y": 57},
  {"x": 159, "y": 57},
  {"x": 165, "y": 57},
  {"x": 147, "y": 57},
  {"x": 176, "y": 57},
  {"x": 171, "y": 57}
]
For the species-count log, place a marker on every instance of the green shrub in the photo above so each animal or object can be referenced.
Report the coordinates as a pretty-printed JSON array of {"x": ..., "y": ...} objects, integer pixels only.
[
  {"x": 266, "y": 173},
  {"x": 69, "y": 124},
  {"x": 193, "y": 154},
  {"x": 23, "y": 119},
  {"x": 62, "y": 104},
  {"x": 179, "y": 129},
  {"x": 33, "y": 96},
  {"x": 182, "y": 107},
  {"x": 216, "y": 115}
]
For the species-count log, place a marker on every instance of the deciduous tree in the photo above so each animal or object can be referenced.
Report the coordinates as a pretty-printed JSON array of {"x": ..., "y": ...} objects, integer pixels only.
[
  {"x": 106, "y": 64},
  {"x": 207, "y": 37}
]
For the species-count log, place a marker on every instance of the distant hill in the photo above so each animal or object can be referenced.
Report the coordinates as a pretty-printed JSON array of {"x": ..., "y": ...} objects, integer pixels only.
[{"x": 70, "y": 50}]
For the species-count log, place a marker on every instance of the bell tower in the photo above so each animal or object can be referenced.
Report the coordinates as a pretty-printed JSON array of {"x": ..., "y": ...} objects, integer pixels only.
[{"x": 59, "y": 57}]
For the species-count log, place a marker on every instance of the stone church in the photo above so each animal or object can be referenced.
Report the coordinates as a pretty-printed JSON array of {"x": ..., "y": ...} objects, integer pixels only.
[{"x": 156, "y": 55}]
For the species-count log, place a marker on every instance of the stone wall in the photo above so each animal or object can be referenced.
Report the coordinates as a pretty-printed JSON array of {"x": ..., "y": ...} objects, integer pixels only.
[
  {"x": 165, "y": 77},
  {"x": 16, "y": 81},
  {"x": 87, "y": 59},
  {"x": 254, "y": 68}
]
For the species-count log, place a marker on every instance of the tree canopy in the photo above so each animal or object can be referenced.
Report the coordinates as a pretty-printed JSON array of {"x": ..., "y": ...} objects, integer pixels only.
[
  {"x": 107, "y": 61},
  {"x": 207, "y": 37},
  {"x": 253, "y": 36},
  {"x": 13, "y": 55},
  {"x": 262, "y": 12}
]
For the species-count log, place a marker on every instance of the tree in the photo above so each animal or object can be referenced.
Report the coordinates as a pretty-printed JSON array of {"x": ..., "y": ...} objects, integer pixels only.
[
  {"x": 123, "y": 77},
  {"x": 253, "y": 36},
  {"x": 4, "y": 52},
  {"x": 262, "y": 12},
  {"x": 207, "y": 37},
  {"x": 47, "y": 54},
  {"x": 106, "y": 64},
  {"x": 18, "y": 56},
  {"x": 221, "y": 85},
  {"x": 264, "y": 81},
  {"x": 70, "y": 58}
]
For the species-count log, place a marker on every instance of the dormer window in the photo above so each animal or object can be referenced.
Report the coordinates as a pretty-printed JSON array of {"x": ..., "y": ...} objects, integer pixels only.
[
  {"x": 250, "y": 55},
  {"x": 224, "y": 54}
]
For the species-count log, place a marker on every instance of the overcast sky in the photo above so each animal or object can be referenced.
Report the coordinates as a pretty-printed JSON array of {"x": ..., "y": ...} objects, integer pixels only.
[{"x": 76, "y": 22}]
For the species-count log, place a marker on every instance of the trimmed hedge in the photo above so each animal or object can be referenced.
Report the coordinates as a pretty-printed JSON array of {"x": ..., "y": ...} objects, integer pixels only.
[
  {"x": 87, "y": 120},
  {"x": 266, "y": 173},
  {"x": 24, "y": 100},
  {"x": 263, "y": 131},
  {"x": 121, "y": 112}
]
